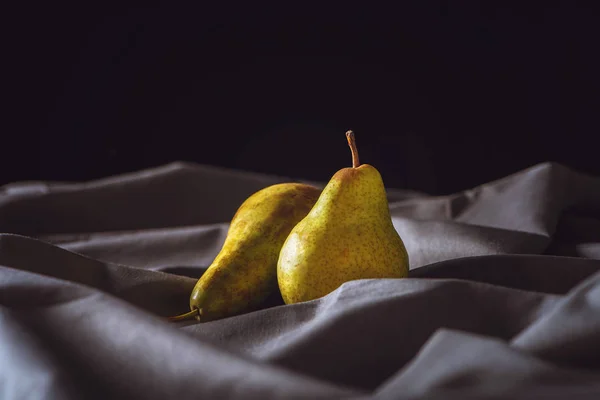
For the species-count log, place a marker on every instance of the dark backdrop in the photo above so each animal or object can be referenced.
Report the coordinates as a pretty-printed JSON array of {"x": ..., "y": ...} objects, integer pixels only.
[{"x": 442, "y": 95}]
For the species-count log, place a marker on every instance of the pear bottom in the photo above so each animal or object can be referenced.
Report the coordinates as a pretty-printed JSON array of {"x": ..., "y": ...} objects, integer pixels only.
[{"x": 311, "y": 267}]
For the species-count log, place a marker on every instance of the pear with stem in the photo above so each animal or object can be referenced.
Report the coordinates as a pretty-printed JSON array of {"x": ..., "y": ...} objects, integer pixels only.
[
  {"x": 244, "y": 273},
  {"x": 348, "y": 235}
]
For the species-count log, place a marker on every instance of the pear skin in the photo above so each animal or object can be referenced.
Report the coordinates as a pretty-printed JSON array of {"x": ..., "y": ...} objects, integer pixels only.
[
  {"x": 347, "y": 235},
  {"x": 244, "y": 273}
]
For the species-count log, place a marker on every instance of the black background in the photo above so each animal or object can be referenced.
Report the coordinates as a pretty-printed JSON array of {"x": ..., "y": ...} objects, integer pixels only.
[{"x": 442, "y": 96}]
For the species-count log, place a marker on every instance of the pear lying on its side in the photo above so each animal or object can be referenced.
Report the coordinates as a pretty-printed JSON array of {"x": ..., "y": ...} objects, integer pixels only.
[
  {"x": 244, "y": 273},
  {"x": 347, "y": 235}
]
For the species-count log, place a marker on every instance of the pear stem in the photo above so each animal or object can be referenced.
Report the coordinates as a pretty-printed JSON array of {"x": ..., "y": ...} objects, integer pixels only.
[
  {"x": 352, "y": 144},
  {"x": 183, "y": 317}
]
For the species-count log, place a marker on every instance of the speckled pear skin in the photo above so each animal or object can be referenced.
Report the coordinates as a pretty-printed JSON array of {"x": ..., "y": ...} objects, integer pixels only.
[
  {"x": 244, "y": 273},
  {"x": 348, "y": 235}
]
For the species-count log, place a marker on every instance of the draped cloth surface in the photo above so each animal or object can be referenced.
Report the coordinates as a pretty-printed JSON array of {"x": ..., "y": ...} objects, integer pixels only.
[{"x": 502, "y": 301}]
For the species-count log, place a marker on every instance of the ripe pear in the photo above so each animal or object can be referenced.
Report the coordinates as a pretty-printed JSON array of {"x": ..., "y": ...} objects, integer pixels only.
[
  {"x": 244, "y": 273},
  {"x": 347, "y": 235}
]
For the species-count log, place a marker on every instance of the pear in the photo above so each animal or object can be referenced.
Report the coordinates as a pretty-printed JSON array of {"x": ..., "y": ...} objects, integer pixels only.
[
  {"x": 244, "y": 272},
  {"x": 348, "y": 235}
]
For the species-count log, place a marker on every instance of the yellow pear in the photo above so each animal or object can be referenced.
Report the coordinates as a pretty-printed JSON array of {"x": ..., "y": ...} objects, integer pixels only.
[
  {"x": 244, "y": 273},
  {"x": 347, "y": 235}
]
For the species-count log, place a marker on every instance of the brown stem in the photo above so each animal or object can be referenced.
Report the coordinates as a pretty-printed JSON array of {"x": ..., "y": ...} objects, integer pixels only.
[
  {"x": 352, "y": 144},
  {"x": 183, "y": 317}
]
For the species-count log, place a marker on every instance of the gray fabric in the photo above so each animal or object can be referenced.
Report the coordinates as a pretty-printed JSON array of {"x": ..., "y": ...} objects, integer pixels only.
[{"x": 503, "y": 300}]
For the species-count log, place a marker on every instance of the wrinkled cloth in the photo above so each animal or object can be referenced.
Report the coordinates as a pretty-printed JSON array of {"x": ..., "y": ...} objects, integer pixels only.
[{"x": 502, "y": 301}]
